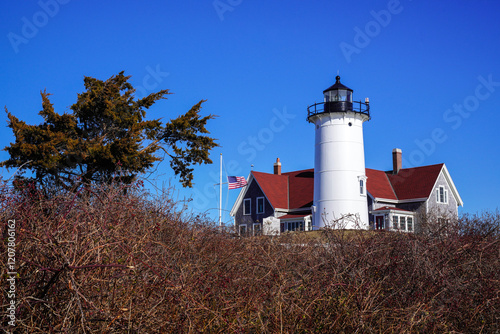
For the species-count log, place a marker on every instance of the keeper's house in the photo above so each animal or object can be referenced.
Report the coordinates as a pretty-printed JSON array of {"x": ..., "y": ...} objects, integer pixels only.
[{"x": 279, "y": 202}]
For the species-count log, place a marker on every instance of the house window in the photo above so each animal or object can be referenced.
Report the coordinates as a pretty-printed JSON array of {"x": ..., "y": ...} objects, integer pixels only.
[
  {"x": 256, "y": 229},
  {"x": 294, "y": 226},
  {"x": 395, "y": 222},
  {"x": 409, "y": 222},
  {"x": 443, "y": 221},
  {"x": 442, "y": 195},
  {"x": 247, "y": 206},
  {"x": 402, "y": 223},
  {"x": 260, "y": 204},
  {"x": 243, "y": 229}
]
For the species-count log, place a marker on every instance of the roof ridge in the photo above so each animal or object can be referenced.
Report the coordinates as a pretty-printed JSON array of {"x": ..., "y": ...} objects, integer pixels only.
[
  {"x": 392, "y": 188},
  {"x": 379, "y": 170},
  {"x": 300, "y": 170},
  {"x": 414, "y": 182},
  {"x": 426, "y": 166}
]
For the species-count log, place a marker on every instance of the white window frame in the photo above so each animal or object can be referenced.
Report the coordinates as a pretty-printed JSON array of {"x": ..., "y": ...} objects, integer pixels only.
[
  {"x": 402, "y": 223},
  {"x": 249, "y": 200},
  {"x": 444, "y": 198},
  {"x": 296, "y": 225},
  {"x": 307, "y": 225},
  {"x": 263, "y": 205},
  {"x": 409, "y": 222},
  {"x": 362, "y": 185},
  {"x": 443, "y": 220},
  {"x": 395, "y": 222},
  {"x": 243, "y": 226},
  {"x": 259, "y": 229}
]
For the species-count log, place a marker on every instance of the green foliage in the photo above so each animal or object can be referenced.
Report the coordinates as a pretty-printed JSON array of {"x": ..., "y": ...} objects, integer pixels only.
[{"x": 105, "y": 135}]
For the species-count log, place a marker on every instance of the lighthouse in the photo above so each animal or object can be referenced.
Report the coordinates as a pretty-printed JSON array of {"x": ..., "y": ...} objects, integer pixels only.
[{"x": 339, "y": 160}]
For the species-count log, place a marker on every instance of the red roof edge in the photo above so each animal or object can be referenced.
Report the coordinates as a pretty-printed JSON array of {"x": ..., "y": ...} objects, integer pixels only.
[{"x": 385, "y": 208}]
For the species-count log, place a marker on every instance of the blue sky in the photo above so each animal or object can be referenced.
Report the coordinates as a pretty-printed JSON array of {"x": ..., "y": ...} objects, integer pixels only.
[{"x": 430, "y": 68}]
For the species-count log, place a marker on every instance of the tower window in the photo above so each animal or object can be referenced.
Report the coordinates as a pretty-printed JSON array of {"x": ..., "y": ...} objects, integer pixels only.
[{"x": 362, "y": 185}]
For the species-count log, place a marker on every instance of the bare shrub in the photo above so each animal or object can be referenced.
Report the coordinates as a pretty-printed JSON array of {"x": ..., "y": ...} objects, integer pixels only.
[
  {"x": 107, "y": 260},
  {"x": 436, "y": 224}
]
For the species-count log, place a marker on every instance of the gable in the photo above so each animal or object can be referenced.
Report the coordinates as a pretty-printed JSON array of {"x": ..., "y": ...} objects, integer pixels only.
[
  {"x": 274, "y": 187},
  {"x": 290, "y": 190},
  {"x": 444, "y": 178},
  {"x": 255, "y": 189},
  {"x": 417, "y": 182}
]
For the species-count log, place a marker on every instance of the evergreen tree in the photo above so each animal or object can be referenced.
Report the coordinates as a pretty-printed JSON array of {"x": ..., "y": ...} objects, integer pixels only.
[{"x": 106, "y": 134}]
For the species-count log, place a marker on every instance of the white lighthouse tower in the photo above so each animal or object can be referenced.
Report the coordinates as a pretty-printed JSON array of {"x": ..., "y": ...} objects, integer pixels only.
[{"x": 339, "y": 163}]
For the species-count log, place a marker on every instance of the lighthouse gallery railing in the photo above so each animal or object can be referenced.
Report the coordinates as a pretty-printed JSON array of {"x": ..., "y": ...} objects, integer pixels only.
[{"x": 338, "y": 106}]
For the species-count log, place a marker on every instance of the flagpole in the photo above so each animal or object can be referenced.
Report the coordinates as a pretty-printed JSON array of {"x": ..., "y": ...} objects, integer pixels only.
[{"x": 220, "y": 193}]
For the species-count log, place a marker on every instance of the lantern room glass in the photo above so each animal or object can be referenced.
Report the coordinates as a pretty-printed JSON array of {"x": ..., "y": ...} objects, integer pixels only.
[{"x": 335, "y": 95}]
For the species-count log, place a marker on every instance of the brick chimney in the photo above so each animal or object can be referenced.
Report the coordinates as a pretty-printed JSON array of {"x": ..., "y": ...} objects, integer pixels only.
[
  {"x": 277, "y": 167},
  {"x": 397, "y": 160}
]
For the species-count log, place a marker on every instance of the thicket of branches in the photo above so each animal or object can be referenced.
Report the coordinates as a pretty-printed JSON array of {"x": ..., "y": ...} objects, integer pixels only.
[{"x": 109, "y": 261}]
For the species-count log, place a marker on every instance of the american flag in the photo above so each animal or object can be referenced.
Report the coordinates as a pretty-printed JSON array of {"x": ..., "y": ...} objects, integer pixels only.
[{"x": 235, "y": 182}]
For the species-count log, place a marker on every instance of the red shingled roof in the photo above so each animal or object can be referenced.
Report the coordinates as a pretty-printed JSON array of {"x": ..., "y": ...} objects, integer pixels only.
[
  {"x": 294, "y": 216},
  {"x": 384, "y": 208},
  {"x": 275, "y": 188},
  {"x": 301, "y": 188},
  {"x": 294, "y": 190},
  {"x": 299, "y": 185},
  {"x": 415, "y": 182},
  {"x": 378, "y": 184}
]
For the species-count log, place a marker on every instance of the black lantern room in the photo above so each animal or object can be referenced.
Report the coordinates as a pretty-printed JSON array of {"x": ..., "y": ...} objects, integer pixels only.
[
  {"x": 338, "y": 98},
  {"x": 338, "y": 92}
]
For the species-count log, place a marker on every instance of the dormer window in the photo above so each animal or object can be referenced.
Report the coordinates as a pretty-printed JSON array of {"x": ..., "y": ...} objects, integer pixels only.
[{"x": 442, "y": 195}]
